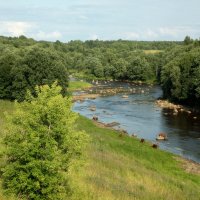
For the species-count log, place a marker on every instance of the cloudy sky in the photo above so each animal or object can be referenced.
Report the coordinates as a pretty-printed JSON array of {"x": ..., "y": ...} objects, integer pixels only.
[{"x": 67, "y": 20}]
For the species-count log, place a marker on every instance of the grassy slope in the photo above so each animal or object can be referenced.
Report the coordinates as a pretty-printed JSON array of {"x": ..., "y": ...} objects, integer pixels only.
[
  {"x": 5, "y": 106},
  {"x": 123, "y": 168}
]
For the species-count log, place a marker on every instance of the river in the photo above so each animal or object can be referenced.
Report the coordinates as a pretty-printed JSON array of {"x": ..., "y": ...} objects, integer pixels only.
[{"x": 140, "y": 115}]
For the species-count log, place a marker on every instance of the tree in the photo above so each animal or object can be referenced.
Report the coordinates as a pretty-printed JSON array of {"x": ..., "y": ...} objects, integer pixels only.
[
  {"x": 120, "y": 68},
  {"x": 94, "y": 64},
  {"x": 187, "y": 40},
  {"x": 138, "y": 69},
  {"x": 180, "y": 77},
  {"x": 109, "y": 71},
  {"x": 8, "y": 60},
  {"x": 38, "y": 67},
  {"x": 41, "y": 144}
]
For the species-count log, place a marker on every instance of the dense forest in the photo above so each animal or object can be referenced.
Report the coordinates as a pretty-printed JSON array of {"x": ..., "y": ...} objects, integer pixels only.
[{"x": 25, "y": 63}]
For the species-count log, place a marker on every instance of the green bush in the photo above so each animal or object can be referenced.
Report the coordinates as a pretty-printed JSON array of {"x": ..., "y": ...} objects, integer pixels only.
[{"x": 41, "y": 144}]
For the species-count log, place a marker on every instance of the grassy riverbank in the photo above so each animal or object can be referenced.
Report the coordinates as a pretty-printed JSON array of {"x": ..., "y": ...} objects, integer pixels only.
[
  {"x": 123, "y": 168},
  {"x": 78, "y": 85}
]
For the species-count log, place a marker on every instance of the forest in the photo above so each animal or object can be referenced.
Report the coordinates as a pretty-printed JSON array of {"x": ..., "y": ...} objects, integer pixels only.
[{"x": 25, "y": 63}]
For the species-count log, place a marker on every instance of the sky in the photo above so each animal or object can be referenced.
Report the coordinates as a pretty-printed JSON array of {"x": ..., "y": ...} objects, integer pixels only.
[{"x": 67, "y": 20}]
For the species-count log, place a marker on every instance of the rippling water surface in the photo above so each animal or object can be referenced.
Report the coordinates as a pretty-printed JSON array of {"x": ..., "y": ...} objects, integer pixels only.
[{"x": 140, "y": 115}]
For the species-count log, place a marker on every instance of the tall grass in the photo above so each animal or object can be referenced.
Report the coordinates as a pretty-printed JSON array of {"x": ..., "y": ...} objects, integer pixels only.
[{"x": 123, "y": 168}]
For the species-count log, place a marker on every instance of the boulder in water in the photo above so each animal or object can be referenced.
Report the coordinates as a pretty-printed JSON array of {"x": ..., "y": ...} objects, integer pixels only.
[
  {"x": 112, "y": 124},
  {"x": 92, "y": 108},
  {"x": 125, "y": 96},
  {"x": 161, "y": 136},
  {"x": 155, "y": 146},
  {"x": 95, "y": 118}
]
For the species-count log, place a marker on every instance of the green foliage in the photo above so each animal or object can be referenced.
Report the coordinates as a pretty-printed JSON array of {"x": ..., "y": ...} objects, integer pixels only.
[
  {"x": 120, "y": 68},
  {"x": 138, "y": 69},
  {"x": 25, "y": 63},
  {"x": 187, "y": 40},
  {"x": 8, "y": 60},
  {"x": 32, "y": 63},
  {"x": 94, "y": 64},
  {"x": 41, "y": 145},
  {"x": 180, "y": 77},
  {"x": 21, "y": 70}
]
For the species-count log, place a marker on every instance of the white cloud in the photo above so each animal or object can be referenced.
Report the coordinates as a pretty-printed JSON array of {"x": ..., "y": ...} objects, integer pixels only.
[
  {"x": 141, "y": 35},
  {"x": 41, "y": 35},
  {"x": 94, "y": 37},
  {"x": 15, "y": 28},
  {"x": 150, "y": 34},
  {"x": 132, "y": 35},
  {"x": 29, "y": 29},
  {"x": 161, "y": 32},
  {"x": 172, "y": 31},
  {"x": 178, "y": 31}
]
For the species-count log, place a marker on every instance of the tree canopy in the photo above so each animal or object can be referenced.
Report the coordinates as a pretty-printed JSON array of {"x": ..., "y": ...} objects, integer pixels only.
[
  {"x": 23, "y": 69},
  {"x": 180, "y": 77}
]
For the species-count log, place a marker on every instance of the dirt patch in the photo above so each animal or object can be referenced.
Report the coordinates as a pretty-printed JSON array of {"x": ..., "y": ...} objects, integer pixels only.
[{"x": 189, "y": 165}]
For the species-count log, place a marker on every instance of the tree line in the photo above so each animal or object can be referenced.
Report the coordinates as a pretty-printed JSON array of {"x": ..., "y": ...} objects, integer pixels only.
[{"x": 25, "y": 63}]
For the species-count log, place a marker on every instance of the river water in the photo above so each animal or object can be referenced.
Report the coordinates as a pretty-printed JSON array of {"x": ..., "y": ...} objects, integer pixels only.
[{"x": 140, "y": 115}]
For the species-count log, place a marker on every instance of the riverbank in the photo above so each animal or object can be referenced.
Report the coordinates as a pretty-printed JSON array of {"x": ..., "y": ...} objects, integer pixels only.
[
  {"x": 121, "y": 167},
  {"x": 105, "y": 88},
  {"x": 189, "y": 165},
  {"x": 78, "y": 85},
  {"x": 90, "y": 77},
  {"x": 118, "y": 166},
  {"x": 134, "y": 108},
  {"x": 176, "y": 108}
]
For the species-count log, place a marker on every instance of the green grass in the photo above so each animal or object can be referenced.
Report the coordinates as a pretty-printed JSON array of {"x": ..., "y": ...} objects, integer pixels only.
[
  {"x": 5, "y": 106},
  {"x": 78, "y": 85},
  {"x": 121, "y": 168}
]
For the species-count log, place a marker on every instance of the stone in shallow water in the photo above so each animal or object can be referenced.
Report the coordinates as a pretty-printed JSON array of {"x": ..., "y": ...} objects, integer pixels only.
[{"x": 112, "y": 124}]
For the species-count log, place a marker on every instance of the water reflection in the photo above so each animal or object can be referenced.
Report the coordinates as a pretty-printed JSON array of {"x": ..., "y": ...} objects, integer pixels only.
[{"x": 138, "y": 114}]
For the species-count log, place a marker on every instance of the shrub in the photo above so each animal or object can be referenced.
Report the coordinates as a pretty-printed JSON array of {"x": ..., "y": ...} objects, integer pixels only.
[{"x": 41, "y": 144}]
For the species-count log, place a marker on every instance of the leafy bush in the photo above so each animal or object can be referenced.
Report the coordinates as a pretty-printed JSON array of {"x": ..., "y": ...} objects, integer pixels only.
[{"x": 41, "y": 144}]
